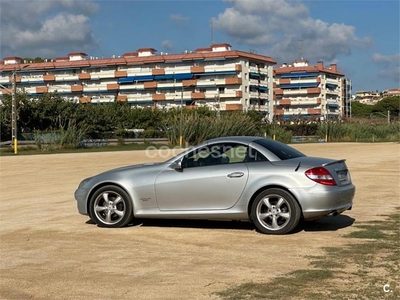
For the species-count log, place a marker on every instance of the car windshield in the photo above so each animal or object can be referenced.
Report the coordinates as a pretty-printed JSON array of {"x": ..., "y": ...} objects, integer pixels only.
[{"x": 281, "y": 150}]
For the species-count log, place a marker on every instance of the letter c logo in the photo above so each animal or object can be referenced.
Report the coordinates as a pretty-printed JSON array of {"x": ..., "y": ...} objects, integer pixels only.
[{"x": 386, "y": 288}]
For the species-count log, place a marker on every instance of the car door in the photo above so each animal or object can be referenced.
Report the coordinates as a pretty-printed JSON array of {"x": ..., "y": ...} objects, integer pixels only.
[{"x": 212, "y": 178}]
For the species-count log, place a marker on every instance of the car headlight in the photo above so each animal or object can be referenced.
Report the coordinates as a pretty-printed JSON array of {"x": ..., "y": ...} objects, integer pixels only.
[{"x": 84, "y": 181}]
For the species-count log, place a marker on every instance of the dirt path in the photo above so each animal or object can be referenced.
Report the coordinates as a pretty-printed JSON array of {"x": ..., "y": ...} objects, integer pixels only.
[{"x": 48, "y": 251}]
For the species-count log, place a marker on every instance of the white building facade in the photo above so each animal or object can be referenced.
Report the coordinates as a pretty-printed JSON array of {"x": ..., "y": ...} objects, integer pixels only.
[
  {"x": 309, "y": 91},
  {"x": 217, "y": 77}
]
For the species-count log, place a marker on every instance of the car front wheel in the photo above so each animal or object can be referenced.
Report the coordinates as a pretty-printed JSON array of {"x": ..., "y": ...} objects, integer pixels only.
[
  {"x": 275, "y": 211},
  {"x": 110, "y": 206}
]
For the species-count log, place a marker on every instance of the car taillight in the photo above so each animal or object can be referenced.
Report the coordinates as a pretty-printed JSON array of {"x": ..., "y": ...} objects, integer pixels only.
[{"x": 320, "y": 175}]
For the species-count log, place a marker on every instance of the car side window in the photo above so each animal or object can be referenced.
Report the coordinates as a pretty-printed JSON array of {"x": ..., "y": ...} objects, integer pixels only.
[
  {"x": 255, "y": 156},
  {"x": 216, "y": 154}
]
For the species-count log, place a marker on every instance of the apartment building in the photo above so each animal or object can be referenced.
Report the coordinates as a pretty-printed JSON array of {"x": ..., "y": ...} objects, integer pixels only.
[
  {"x": 391, "y": 93},
  {"x": 347, "y": 97},
  {"x": 368, "y": 97},
  {"x": 309, "y": 91},
  {"x": 215, "y": 76}
]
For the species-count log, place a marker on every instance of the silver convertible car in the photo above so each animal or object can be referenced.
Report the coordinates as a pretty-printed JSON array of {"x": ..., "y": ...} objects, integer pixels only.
[{"x": 232, "y": 178}]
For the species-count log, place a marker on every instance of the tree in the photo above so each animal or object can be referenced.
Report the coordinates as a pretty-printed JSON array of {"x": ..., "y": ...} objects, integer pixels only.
[
  {"x": 360, "y": 110},
  {"x": 391, "y": 104}
]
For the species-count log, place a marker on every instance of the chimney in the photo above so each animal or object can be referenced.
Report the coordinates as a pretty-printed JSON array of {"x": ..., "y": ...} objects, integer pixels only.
[
  {"x": 320, "y": 64},
  {"x": 334, "y": 67}
]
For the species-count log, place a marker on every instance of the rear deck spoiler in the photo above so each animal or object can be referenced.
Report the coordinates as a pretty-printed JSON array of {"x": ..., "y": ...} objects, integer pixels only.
[{"x": 334, "y": 162}]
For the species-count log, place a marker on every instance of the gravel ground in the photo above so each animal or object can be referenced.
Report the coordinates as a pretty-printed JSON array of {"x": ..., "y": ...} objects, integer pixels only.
[{"x": 49, "y": 251}]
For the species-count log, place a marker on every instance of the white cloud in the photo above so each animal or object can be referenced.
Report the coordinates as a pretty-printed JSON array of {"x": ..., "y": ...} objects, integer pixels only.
[
  {"x": 390, "y": 65},
  {"x": 286, "y": 31},
  {"x": 46, "y": 28},
  {"x": 178, "y": 18},
  {"x": 167, "y": 45}
]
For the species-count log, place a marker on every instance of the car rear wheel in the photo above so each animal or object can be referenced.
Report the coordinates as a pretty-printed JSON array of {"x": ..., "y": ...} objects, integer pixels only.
[
  {"x": 275, "y": 211},
  {"x": 110, "y": 206}
]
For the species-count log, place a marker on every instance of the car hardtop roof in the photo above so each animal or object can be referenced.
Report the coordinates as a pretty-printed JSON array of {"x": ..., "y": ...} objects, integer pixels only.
[{"x": 236, "y": 139}]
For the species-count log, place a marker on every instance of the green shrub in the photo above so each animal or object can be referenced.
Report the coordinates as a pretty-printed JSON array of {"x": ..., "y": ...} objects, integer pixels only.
[
  {"x": 279, "y": 132},
  {"x": 196, "y": 129}
]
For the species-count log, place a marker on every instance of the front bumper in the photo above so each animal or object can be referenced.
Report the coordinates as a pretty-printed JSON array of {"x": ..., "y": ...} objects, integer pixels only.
[
  {"x": 81, "y": 196},
  {"x": 320, "y": 200}
]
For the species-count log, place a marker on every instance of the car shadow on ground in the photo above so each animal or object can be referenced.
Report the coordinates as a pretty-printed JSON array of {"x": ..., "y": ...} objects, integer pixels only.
[
  {"x": 324, "y": 224},
  {"x": 206, "y": 224}
]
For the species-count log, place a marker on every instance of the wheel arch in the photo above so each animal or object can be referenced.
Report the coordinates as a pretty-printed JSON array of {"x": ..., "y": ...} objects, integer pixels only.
[{"x": 272, "y": 186}]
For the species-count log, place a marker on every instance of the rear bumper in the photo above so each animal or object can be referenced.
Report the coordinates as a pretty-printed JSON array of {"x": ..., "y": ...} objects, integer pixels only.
[{"x": 320, "y": 201}]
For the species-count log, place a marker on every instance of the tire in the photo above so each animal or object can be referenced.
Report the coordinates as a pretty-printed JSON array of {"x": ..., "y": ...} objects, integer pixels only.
[
  {"x": 275, "y": 211},
  {"x": 110, "y": 206}
]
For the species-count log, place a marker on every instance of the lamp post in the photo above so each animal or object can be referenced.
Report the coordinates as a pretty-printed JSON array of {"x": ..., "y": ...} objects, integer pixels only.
[
  {"x": 14, "y": 112},
  {"x": 181, "y": 119},
  {"x": 14, "y": 109}
]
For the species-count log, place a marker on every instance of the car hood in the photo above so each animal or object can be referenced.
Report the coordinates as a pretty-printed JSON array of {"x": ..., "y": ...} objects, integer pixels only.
[{"x": 132, "y": 167}]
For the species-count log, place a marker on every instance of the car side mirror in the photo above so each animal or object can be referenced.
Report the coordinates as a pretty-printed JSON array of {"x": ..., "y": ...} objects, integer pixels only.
[{"x": 177, "y": 166}]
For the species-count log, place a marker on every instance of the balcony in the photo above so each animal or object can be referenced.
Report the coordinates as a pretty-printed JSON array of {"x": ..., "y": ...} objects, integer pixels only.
[
  {"x": 233, "y": 81},
  {"x": 17, "y": 79},
  {"x": 332, "y": 81},
  {"x": 76, "y": 88},
  {"x": 122, "y": 98},
  {"x": 254, "y": 95},
  {"x": 49, "y": 77},
  {"x": 158, "y": 72},
  {"x": 197, "y": 69},
  {"x": 313, "y": 91},
  {"x": 189, "y": 82},
  {"x": 314, "y": 111},
  {"x": 42, "y": 89},
  {"x": 150, "y": 85},
  {"x": 254, "y": 81},
  {"x": 221, "y": 68},
  {"x": 229, "y": 94},
  {"x": 254, "y": 69},
  {"x": 295, "y": 92},
  {"x": 234, "y": 107},
  {"x": 332, "y": 101},
  {"x": 95, "y": 88},
  {"x": 63, "y": 77},
  {"x": 285, "y": 102},
  {"x": 112, "y": 86},
  {"x": 284, "y": 81},
  {"x": 84, "y": 76},
  {"x": 259, "y": 107},
  {"x": 264, "y": 95},
  {"x": 119, "y": 74},
  {"x": 198, "y": 95},
  {"x": 158, "y": 97},
  {"x": 333, "y": 92}
]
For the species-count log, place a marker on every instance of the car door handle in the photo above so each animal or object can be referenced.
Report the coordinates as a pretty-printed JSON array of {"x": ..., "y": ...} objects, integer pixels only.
[{"x": 235, "y": 175}]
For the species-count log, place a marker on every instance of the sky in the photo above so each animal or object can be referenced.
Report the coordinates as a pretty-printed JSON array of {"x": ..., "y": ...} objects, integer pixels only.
[{"x": 361, "y": 37}]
